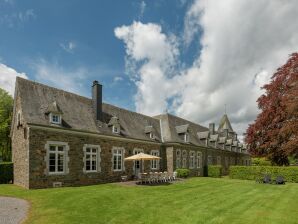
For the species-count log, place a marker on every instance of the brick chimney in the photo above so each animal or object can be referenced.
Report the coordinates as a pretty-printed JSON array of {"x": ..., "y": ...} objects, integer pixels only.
[
  {"x": 212, "y": 128},
  {"x": 97, "y": 99}
]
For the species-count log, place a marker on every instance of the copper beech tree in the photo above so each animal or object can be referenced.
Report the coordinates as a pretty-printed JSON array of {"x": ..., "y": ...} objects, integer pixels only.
[{"x": 274, "y": 134}]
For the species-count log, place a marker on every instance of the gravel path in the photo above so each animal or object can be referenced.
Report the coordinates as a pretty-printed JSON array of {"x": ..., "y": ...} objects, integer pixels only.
[{"x": 13, "y": 210}]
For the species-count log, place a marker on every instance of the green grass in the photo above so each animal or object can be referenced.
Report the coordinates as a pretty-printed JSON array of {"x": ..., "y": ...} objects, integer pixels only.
[{"x": 196, "y": 200}]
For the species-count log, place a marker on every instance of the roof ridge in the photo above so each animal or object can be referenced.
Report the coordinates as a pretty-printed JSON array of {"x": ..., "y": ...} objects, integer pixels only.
[
  {"x": 50, "y": 87},
  {"x": 192, "y": 122},
  {"x": 130, "y": 111}
]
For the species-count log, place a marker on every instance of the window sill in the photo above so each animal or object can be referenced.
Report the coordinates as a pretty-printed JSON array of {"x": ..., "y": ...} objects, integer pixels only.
[{"x": 56, "y": 174}]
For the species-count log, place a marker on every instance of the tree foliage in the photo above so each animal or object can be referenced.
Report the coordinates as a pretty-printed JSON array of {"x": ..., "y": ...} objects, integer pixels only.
[
  {"x": 6, "y": 107},
  {"x": 275, "y": 131}
]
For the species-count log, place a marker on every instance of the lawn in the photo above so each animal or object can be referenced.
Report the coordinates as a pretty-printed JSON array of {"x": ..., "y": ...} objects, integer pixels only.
[{"x": 196, "y": 200}]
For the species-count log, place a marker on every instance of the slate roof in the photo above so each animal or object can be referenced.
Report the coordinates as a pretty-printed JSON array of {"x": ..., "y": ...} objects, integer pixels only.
[
  {"x": 169, "y": 123},
  {"x": 36, "y": 99}
]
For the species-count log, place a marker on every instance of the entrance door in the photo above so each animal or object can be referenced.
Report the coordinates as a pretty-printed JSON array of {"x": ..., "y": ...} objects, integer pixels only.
[{"x": 137, "y": 164}]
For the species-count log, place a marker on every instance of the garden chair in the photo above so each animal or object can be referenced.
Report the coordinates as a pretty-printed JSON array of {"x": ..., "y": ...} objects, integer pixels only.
[
  {"x": 174, "y": 175},
  {"x": 167, "y": 176},
  {"x": 267, "y": 179},
  {"x": 151, "y": 178},
  {"x": 280, "y": 180}
]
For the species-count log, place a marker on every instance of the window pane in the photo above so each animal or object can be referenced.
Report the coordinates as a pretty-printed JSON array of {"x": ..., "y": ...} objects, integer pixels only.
[
  {"x": 88, "y": 165},
  {"x": 87, "y": 157},
  {"x": 88, "y": 150},
  {"x": 52, "y": 148},
  {"x": 94, "y": 150},
  {"x": 60, "y": 148},
  {"x": 94, "y": 157},
  {"x": 93, "y": 165}
]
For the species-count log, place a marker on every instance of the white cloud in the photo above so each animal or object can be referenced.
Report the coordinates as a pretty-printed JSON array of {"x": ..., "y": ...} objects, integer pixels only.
[
  {"x": 243, "y": 43},
  {"x": 8, "y": 77},
  {"x": 153, "y": 54},
  {"x": 17, "y": 18},
  {"x": 69, "y": 46},
  {"x": 142, "y": 9},
  {"x": 117, "y": 79},
  {"x": 54, "y": 75}
]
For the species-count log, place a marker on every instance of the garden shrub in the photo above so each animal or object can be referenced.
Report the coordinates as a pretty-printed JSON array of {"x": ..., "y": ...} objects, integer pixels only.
[
  {"x": 6, "y": 172},
  {"x": 290, "y": 173},
  {"x": 214, "y": 171},
  {"x": 182, "y": 173},
  {"x": 261, "y": 161}
]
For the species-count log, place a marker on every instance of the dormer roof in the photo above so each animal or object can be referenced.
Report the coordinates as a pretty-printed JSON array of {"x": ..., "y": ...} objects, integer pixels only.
[
  {"x": 114, "y": 121},
  {"x": 181, "y": 129},
  {"x": 54, "y": 108},
  {"x": 203, "y": 134}
]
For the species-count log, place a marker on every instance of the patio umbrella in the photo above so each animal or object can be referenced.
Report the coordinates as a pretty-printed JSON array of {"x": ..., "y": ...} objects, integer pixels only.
[{"x": 141, "y": 156}]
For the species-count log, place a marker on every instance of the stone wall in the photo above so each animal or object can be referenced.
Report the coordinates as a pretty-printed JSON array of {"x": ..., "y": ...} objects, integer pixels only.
[
  {"x": 76, "y": 176},
  {"x": 20, "y": 150},
  {"x": 37, "y": 177}
]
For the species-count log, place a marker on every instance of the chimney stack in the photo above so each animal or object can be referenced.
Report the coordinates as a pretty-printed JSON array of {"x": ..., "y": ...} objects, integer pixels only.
[
  {"x": 97, "y": 99},
  {"x": 212, "y": 128}
]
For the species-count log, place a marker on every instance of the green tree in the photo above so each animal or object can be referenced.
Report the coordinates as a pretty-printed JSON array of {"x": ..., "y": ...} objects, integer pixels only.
[{"x": 6, "y": 108}]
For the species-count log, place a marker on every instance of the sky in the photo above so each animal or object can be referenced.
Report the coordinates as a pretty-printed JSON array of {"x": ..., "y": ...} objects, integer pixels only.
[{"x": 186, "y": 57}]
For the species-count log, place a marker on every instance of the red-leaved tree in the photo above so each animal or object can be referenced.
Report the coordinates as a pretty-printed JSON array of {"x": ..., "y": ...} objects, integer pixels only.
[{"x": 275, "y": 131}]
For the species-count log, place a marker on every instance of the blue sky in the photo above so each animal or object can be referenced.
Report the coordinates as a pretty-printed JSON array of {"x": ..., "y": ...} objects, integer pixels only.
[
  {"x": 187, "y": 57},
  {"x": 79, "y": 34}
]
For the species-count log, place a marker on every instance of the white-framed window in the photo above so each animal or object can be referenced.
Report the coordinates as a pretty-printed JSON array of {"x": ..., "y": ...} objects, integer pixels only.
[
  {"x": 191, "y": 159},
  {"x": 178, "y": 158},
  {"x": 55, "y": 118},
  {"x": 209, "y": 160},
  {"x": 199, "y": 159},
  {"x": 56, "y": 157},
  {"x": 117, "y": 159},
  {"x": 218, "y": 162},
  {"x": 91, "y": 158},
  {"x": 137, "y": 163},
  {"x": 154, "y": 163},
  {"x": 184, "y": 158},
  {"x": 115, "y": 129},
  {"x": 186, "y": 137}
]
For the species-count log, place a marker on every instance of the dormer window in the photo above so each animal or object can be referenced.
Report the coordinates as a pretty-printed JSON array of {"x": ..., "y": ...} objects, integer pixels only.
[
  {"x": 186, "y": 137},
  {"x": 55, "y": 118},
  {"x": 55, "y": 113},
  {"x": 115, "y": 129}
]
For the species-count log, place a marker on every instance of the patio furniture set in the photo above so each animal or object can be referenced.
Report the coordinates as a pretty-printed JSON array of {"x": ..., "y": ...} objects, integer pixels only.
[{"x": 156, "y": 178}]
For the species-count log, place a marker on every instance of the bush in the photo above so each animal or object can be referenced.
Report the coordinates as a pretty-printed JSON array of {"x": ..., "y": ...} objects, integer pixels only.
[
  {"x": 6, "y": 172},
  {"x": 215, "y": 171},
  {"x": 261, "y": 161},
  {"x": 182, "y": 173},
  {"x": 254, "y": 172}
]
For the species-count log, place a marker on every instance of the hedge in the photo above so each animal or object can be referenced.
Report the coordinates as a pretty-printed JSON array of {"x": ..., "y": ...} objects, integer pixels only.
[
  {"x": 6, "y": 172},
  {"x": 261, "y": 161},
  {"x": 182, "y": 173},
  {"x": 290, "y": 173},
  {"x": 215, "y": 171}
]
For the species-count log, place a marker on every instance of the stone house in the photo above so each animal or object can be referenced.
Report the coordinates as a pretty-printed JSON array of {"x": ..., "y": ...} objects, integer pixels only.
[{"x": 63, "y": 139}]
